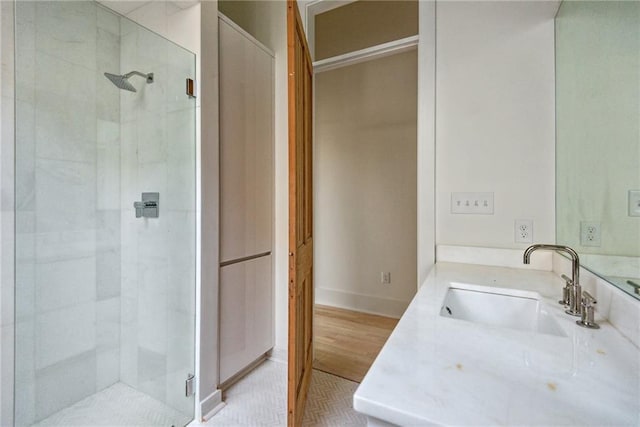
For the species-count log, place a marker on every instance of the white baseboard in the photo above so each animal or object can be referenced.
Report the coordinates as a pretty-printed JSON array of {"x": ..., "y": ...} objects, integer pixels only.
[
  {"x": 541, "y": 260},
  {"x": 211, "y": 405},
  {"x": 358, "y": 302}
]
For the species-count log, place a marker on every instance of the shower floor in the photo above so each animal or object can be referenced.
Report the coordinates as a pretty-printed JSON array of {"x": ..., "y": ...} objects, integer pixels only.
[{"x": 118, "y": 405}]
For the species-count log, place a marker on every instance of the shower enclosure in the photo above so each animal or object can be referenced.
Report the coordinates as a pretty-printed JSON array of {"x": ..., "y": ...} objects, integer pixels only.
[{"x": 105, "y": 220}]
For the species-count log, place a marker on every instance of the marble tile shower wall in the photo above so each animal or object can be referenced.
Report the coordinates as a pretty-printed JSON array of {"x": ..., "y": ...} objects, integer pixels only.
[
  {"x": 102, "y": 296},
  {"x": 7, "y": 238},
  {"x": 158, "y": 255},
  {"x": 67, "y": 203}
]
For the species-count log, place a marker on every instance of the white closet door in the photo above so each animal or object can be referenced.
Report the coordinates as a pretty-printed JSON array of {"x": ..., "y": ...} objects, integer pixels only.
[
  {"x": 246, "y": 146},
  {"x": 246, "y": 314},
  {"x": 246, "y": 200}
]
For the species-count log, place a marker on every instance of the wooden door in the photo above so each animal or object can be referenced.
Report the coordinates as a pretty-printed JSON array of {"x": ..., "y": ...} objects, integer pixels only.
[{"x": 300, "y": 217}]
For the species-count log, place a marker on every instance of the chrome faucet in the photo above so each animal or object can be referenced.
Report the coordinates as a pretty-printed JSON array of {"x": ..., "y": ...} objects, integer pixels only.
[{"x": 575, "y": 291}]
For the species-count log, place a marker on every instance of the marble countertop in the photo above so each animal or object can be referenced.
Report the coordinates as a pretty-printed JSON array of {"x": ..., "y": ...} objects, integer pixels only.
[{"x": 437, "y": 370}]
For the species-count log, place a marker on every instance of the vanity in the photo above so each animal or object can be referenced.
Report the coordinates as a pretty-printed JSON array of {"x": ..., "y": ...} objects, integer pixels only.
[
  {"x": 521, "y": 362},
  {"x": 490, "y": 345}
]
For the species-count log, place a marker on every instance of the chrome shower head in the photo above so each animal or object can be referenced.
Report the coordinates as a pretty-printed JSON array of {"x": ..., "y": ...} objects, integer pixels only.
[{"x": 122, "y": 82}]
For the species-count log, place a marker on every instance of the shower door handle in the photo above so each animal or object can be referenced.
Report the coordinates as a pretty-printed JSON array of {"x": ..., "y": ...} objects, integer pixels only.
[{"x": 149, "y": 206}]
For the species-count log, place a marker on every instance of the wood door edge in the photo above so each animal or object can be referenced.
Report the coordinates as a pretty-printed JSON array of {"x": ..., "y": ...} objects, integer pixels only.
[
  {"x": 291, "y": 362},
  {"x": 296, "y": 400}
]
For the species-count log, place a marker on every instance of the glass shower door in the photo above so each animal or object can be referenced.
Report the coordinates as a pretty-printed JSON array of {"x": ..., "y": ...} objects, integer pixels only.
[{"x": 105, "y": 290}]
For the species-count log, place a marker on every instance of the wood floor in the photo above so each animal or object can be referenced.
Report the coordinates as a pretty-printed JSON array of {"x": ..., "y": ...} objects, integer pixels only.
[{"x": 347, "y": 342}]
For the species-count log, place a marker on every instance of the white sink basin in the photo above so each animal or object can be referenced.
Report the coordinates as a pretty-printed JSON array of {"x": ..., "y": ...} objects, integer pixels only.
[{"x": 504, "y": 308}]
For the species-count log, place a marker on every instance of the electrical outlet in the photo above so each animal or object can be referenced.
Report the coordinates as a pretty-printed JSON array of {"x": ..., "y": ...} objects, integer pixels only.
[
  {"x": 523, "y": 231},
  {"x": 472, "y": 203},
  {"x": 589, "y": 233},
  {"x": 385, "y": 277}
]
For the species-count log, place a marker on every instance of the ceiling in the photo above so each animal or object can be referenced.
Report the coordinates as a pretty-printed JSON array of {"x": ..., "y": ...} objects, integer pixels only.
[{"x": 124, "y": 7}]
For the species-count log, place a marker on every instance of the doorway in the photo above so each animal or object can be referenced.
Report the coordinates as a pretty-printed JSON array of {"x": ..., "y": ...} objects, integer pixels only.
[{"x": 365, "y": 180}]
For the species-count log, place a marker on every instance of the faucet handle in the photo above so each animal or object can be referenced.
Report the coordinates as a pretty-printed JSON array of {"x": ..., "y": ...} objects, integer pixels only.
[
  {"x": 588, "y": 299},
  {"x": 565, "y": 291},
  {"x": 587, "y": 311}
]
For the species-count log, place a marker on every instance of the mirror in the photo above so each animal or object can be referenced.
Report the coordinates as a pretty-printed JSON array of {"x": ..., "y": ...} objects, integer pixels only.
[{"x": 598, "y": 137}]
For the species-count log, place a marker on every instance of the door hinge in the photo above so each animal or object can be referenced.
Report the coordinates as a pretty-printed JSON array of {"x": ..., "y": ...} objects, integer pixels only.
[
  {"x": 188, "y": 385},
  {"x": 191, "y": 88}
]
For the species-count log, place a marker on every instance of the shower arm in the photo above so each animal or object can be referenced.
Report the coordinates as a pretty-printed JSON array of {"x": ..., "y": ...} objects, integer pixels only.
[{"x": 149, "y": 76}]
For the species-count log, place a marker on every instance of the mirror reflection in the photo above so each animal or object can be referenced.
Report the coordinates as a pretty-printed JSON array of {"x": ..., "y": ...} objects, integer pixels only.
[{"x": 598, "y": 137}]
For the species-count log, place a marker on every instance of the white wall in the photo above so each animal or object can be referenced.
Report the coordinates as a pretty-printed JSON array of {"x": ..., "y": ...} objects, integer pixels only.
[
  {"x": 365, "y": 185},
  {"x": 275, "y": 38},
  {"x": 6, "y": 213},
  {"x": 426, "y": 214},
  {"x": 495, "y": 119},
  {"x": 208, "y": 168}
]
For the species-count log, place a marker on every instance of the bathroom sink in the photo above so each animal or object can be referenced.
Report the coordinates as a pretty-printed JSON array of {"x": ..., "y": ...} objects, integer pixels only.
[{"x": 500, "y": 307}]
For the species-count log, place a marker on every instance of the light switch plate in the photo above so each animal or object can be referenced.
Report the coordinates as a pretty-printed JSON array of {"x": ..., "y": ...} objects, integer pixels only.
[
  {"x": 472, "y": 203},
  {"x": 634, "y": 202}
]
